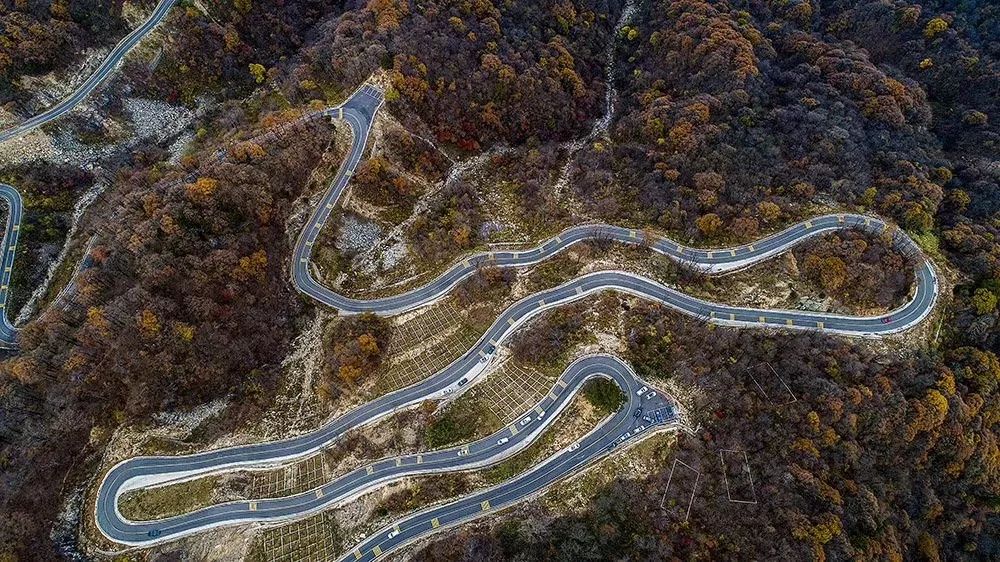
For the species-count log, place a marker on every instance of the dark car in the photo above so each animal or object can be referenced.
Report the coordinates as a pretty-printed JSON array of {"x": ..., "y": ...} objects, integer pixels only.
[
  {"x": 153, "y": 533},
  {"x": 887, "y": 319},
  {"x": 464, "y": 381}
]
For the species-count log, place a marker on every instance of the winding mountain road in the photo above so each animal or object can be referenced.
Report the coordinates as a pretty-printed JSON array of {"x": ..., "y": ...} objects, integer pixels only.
[
  {"x": 106, "y": 68},
  {"x": 359, "y": 111},
  {"x": 8, "y": 334}
]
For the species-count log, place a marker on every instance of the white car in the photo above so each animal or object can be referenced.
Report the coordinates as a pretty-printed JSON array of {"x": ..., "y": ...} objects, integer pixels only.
[
  {"x": 392, "y": 534},
  {"x": 640, "y": 428},
  {"x": 541, "y": 415},
  {"x": 526, "y": 420},
  {"x": 641, "y": 391},
  {"x": 503, "y": 441}
]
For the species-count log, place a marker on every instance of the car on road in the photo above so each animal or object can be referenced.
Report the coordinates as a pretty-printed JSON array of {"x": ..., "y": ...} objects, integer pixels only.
[
  {"x": 462, "y": 452},
  {"x": 503, "y": 440},
  {"x": 574, "y": 446},
  {"x": 887, "y": 319},
  {"x": 651, "y": 395},
  {"x": 526, "y": 420},
  {"x": 641, "y": 391},
  {"x": 392, "y": 534},
  {"x": 153, "y": 533},
  {"x": 541, "y": 414}
]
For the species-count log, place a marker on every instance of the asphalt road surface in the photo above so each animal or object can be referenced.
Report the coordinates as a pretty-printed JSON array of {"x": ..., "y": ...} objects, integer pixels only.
[
  {"x": 358, "y": 112},
  {"x": 107, "y": 68},
  {"x": 8, "y": 335}
]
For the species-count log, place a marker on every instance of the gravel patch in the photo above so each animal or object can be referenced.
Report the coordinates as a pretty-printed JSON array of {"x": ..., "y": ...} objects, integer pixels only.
[{"x": 357, "y": 234}]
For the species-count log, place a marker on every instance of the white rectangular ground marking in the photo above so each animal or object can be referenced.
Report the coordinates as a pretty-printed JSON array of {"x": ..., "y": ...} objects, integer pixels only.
[
  {"x": 253, "y": 506},
  {"x": 485, "y": 505},
  {"x": 357, "y": 555},
  {"x": 371, "y": 469},
  {"x": 552, "y": 396},
  {"x": 819, "y": 325},
  {"x": 513, "y": 431},
  {"x": 341, "y": 111},
  {"x": 732, "y": 253},
  {"x": 510, "y": 321},
  {"x": 399, "y": 461},
  {"x": 579, "y": 290},
  {"x": 789, "y": 322},
  {"x": 732, "y": 317},
  {"x": 420, "y": 459},
  {"x": 377, "y": 551},
  {"x": 435, "y": 523},
  {"x": 539, "y": 410},
  {"x": 750, "y": 247},
  {"x": 762, "y": 319},
  {"x": 562, "y": 383},
  {"x": 319, "y": 492}
]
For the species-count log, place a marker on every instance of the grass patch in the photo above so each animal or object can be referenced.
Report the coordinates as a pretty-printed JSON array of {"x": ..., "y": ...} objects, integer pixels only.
[
  {"x": 461, "y": 422},
  {"x": 167, "y": 501}
]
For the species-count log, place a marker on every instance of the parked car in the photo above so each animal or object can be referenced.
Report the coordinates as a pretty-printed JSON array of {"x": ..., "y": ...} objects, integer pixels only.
[
  {"x": 640, "y": 428},
  {"x": 641, "y": 391},
  {"x": 651, "y": 395},
  {"x": 392, "y": 534},
  {"x": 526, "y": 420},
  {"x": 464, "y": 381},
  {"x": 503, "y": 440}
]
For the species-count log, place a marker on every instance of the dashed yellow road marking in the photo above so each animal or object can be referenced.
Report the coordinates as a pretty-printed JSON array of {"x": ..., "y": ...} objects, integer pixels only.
[
  {"x": 435, "y": 523},
  {"x": 485, "y": 505},
  {"x": 789, "y": 322},
  {"x": 377, "y": 551},
  {"x": 357, "y": 555},
  {"x": 819, "y": 325}
]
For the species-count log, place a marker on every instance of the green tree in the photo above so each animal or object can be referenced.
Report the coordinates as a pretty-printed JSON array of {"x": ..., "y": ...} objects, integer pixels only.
[{"x": 257, "y": 71}]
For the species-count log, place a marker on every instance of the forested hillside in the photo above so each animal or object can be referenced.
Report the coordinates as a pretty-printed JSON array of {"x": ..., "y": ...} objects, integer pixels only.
[{"x": 734, "y": 118}]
